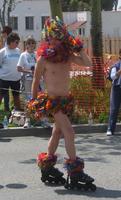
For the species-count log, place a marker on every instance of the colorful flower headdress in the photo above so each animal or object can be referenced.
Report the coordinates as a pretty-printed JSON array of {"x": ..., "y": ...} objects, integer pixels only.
[{"x": 56, "y": 29}]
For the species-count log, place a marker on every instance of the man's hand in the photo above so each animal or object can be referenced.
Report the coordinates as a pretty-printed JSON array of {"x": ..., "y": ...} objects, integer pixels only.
[{"x": 118, "y": 73}]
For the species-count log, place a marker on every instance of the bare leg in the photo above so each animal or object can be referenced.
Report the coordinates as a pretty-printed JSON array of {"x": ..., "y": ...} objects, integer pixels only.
[
  {"x": 66, "y": 128},
  {"x": 54, "y": 139}
]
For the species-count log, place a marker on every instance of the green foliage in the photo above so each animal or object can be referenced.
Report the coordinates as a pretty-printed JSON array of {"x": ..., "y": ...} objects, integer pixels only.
[
  {"x": 88, "y": 99},
  {"x": 2, "y": 114},
  {"x": 103, "y": 118},
  {"x": 56, "y": 9},
  {"x": 74, "y": 5},
  {"x": 108, "y": 5}
]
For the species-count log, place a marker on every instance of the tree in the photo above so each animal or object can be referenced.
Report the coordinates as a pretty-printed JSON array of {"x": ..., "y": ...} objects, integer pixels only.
[
  {"x": 97, "y": 48},
  {"x": 56, "y": 9},
  {"x": 7, "y": 7},
  {"x": 74, "y": 5}
]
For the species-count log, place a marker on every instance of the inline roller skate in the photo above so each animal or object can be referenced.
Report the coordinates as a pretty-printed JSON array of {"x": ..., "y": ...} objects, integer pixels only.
[
  {"x": 76, "y": 178},
  {"x": 49, "y": 173}
]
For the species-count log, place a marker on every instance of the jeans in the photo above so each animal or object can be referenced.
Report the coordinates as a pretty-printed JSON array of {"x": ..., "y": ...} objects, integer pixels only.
[
  {"x": 6, "y": 101},
  {"x": 115, "y": 102}
]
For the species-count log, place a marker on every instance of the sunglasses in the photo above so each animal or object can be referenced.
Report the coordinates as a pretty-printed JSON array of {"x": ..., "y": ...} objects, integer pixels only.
[{"x": 31, "y": 43}]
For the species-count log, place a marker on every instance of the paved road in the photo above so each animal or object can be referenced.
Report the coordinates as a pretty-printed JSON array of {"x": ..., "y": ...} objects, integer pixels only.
[{"x": 20, "y": 177}]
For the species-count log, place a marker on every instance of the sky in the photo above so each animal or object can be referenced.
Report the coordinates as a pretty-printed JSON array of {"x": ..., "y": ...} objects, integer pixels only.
[{"x": 119, "y": 3}]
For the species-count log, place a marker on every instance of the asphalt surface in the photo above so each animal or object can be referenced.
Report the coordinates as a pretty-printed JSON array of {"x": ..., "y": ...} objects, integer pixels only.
[{"x": 20, "y": 176}]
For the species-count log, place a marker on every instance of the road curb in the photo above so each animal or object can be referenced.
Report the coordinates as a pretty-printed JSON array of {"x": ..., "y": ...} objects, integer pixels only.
[{"x": 46, "y": 132}]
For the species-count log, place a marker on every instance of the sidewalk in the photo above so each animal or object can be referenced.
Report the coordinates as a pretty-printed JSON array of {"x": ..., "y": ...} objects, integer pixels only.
[
  {"x": 39, "y": 131},
  {"x": 20, "y": 176}
]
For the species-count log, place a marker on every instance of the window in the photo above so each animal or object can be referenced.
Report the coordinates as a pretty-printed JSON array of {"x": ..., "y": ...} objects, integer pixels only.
[
  {"x": 14, "y": 23},
  {"x": 43, "y": 18},
  {"x": 82, "y": 31},
  {"x": 29, "y": 23}
]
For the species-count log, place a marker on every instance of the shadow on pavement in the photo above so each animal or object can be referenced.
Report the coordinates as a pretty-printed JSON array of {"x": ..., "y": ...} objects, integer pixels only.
[
  {"x": 1, "y": 186},
  {"x": 5, "y": 140},
  {"x": 30, "y": 161},
  {"x": 16, "y": 186},
  {"x": 100, "y": 193}
]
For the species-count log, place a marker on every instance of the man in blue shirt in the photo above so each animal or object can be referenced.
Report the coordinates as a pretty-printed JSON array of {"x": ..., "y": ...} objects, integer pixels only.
[{"x": 115, "y": 96}]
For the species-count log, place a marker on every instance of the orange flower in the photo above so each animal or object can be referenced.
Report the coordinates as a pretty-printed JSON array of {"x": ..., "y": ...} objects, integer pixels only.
[
  {"x": 41, "y": 95},
  {"x": 48, "y": 104}
]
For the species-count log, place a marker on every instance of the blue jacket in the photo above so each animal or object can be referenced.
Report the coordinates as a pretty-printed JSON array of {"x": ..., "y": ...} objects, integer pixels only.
[{"x": 117, "y": 81}]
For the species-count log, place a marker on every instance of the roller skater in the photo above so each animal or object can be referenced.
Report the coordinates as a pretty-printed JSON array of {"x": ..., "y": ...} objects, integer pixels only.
[
  {"x": 49, "y": 173},
  {"x": 76, "y": 177},
  {"x": 57, "y": 51}
]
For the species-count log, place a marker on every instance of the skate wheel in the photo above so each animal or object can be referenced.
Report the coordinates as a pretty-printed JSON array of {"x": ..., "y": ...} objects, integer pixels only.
[
  {"x": 50, "y": 181},
  {"x": 69, "y": 186},
  {"x": 66, "y": 186},
  {"x": 43, "y": 180},
  {"x": 86, "y": 187},
  {"x": 72, "y": 186},
  {"x": 56, "y": 181},
  {"x": 79, "y": 187},
  {"x": 63, "y": 181},
  {"x": 93, "y": 187}
]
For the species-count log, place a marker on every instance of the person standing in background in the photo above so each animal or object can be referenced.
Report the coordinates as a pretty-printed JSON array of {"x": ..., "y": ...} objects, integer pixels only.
[
  {"x": 26, "y": 65},
  {"x": 9, "y": 76},
  {"x": 115, "y": 96},
  {"x": 5, "y": 32}
]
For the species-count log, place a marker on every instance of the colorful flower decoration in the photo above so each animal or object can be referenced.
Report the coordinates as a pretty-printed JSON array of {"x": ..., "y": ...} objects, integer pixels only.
[
  {"x": 56, "y": 29},
  {"x": 74, "y": 166},
  {"x": 45, "y": 105},
  {"x": 46, "y": 161}
]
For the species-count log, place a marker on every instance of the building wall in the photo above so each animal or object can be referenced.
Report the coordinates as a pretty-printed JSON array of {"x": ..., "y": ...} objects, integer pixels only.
[
  {"x": 38, "y": 8},
  {"x": 70, "y": 17},
  {"x": 111, "y": 23}
]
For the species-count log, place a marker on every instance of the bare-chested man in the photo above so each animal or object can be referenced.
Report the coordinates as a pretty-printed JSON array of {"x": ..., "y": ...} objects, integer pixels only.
[{"x": 54, "y": 64}]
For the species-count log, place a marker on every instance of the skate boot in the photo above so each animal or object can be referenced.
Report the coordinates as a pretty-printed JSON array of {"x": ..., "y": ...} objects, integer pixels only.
[
  {"x": 76, "y": 177},
  {"x": 49, "y": 173}
]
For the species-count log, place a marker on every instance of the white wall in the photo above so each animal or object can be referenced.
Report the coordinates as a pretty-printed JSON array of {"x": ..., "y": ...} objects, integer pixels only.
[
  {"x": 36, "y": 8},
  {"x": 111, "y": 23},
  {"x": 70, "y": 17}
]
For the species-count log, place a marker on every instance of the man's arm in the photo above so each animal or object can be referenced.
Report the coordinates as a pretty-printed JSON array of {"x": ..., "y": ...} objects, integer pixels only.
[
  {"x": 81, "y": 59},
  {"x": 116, "y": 71},
  {"x": 24, "y": 70},
  {"x": 39, "y": 69}
]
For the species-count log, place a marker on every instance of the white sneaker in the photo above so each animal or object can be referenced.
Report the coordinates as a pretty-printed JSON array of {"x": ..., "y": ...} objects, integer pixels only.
[
  {"x": 27, "y": 123},
  {"x": 109, "y": 133}
]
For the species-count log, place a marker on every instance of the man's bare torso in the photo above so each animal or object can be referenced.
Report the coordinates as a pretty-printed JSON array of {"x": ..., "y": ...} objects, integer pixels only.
[{"x": 56, "y": 76}]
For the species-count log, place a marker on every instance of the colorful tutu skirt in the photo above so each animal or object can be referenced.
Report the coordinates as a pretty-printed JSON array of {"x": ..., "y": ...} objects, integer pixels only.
[{"x": 46, "y": 105}]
